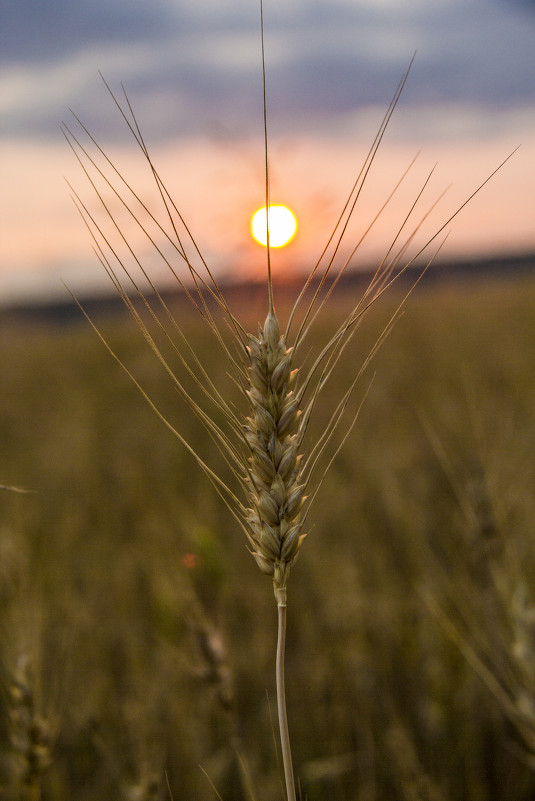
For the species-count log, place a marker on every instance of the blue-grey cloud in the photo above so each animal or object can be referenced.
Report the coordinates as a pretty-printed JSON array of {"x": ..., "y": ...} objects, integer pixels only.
[
  {"x": 189, "y": 67},
  {"x": 40, "y": 31}
]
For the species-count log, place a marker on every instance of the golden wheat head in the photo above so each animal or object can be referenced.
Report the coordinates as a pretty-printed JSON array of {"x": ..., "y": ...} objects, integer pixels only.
[{"x": 276, "y": 490}]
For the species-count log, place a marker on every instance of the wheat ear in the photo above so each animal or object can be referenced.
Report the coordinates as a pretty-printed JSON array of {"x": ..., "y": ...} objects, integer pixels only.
[
  {"x": 31, "y": 734},
  {"x": 276, "y": 492},
  {"x": 266, "y": 451}
]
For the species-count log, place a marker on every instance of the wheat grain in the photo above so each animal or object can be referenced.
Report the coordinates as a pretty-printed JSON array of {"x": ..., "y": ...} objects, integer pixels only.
[{"x": 276, "y": 485}]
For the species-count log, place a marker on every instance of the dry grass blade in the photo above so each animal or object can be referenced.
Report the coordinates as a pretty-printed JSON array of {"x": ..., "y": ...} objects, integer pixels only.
[{"x": 19, "y": 490}]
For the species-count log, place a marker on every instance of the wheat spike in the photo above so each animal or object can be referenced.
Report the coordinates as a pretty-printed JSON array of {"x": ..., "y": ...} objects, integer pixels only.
[
  {"x": 276, "y": 485},
  {"x": 31, "y": 735},
  {"x": 265, "y": 449},
  {"x": 264, "y": 452}
]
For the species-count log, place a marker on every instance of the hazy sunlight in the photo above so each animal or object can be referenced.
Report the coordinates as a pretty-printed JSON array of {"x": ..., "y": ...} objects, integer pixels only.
[{"x": 282, "y": 226}]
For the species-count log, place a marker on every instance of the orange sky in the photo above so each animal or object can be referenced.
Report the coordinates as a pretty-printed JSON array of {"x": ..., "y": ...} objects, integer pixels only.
[
  {"x": 193, "y": 72},
  {"x": 217, "y": 187}
]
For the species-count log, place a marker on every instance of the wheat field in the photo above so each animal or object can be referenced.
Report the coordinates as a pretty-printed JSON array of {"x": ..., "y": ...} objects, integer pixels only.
[{"x": 137, "y": 634}]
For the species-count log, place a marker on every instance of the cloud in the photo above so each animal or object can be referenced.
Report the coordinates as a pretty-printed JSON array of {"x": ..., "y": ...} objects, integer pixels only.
[
  {"x": 40, "y": 32},
  {"x": 192, "y": 66}
]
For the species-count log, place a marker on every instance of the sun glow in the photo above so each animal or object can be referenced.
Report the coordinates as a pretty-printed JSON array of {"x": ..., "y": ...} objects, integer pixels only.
[{"x": 282, "y": 226}]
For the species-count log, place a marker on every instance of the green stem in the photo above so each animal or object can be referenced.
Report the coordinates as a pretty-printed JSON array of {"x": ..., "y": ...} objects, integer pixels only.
[{"x": 280, "y": 594}]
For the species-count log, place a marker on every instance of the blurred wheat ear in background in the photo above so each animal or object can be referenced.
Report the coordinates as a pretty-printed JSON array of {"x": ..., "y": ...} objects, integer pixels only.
[{"x": 274, "y": 458}]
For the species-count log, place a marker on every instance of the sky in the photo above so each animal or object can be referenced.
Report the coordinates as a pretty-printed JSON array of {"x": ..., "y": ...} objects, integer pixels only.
[{"x": 193, "y": 75}]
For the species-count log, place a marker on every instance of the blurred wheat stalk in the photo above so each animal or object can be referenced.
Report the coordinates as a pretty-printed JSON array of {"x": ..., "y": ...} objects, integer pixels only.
[
  {"x": 31, "y": 723},
  {"x": 276, "y": 466}
]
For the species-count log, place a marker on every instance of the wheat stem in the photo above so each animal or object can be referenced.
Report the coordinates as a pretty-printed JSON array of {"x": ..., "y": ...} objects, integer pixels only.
[{"x": 280, "y": 594}]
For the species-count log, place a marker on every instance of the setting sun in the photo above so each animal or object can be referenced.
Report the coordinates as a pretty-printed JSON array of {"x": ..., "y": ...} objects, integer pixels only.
[{"x": 282, "y": 226}]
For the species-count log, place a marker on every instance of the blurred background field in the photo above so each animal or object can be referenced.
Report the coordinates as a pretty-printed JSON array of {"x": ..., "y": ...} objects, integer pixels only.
[{"x": 137, "y": 634}]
